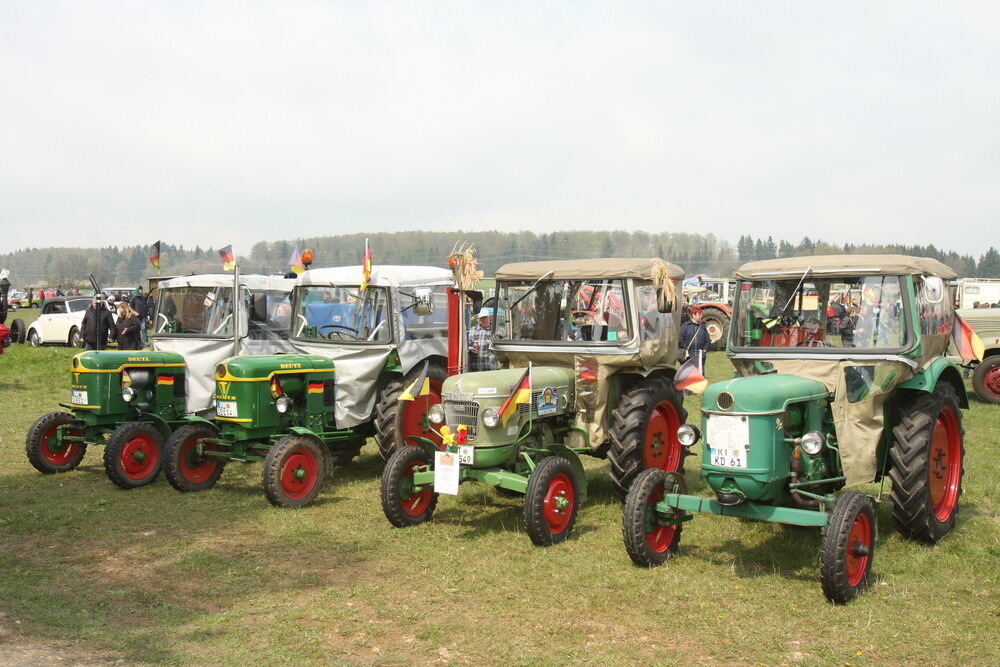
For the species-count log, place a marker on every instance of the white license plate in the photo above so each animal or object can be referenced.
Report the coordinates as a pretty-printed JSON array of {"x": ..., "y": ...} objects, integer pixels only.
[
  {"x": 225, "y": 408},
  {"x": 728, "y": 439},
  {"x": 78, "y": 397},
  {"x": 466, "y": 455}
]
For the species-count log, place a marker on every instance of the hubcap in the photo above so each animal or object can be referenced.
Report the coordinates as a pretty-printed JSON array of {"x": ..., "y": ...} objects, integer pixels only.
[
  {"x": 991, "y": 380},
  {"x": 299, "y": 474},
  {"x": 557, "y": 506},
  {"x": 139, "y": 456}
]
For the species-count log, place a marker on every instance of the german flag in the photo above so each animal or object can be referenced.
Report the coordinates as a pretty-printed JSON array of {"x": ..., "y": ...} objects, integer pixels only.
[
  {"x": 366, "y": 266},
  {"x": 690, "y": 377},
  {"x": 295, "y": 264},
  {"x": 968, "y": 343},
  {"x": 420, "y": 387},
  {"x": 154, "y": 256},
  {"x": 228, "y": 258},
  {"x": 315, "y": 388},
  {"x": 520, "y": 396},
  {"x": 165, "y": 379}
]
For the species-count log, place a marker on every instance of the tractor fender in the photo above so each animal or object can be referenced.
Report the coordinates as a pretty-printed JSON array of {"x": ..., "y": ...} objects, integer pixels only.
[
  {"x": 939, "y": 370},
  {"x": 159, "y": 422},
  {"x": 577, "y": 465},
  {"x": 307, "y": 433},
  {"x": 195, "y": 419}
]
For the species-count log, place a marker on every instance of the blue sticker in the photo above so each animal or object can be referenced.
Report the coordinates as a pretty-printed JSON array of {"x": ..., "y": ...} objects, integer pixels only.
[{"x": 547, "y": 401}]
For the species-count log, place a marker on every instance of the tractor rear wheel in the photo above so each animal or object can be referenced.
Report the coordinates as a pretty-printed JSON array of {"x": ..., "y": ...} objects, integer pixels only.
[
  {"x": 648, "y": 541},
  {"x": 986, "y": 379},
  {"x": 17, "y": 331},
  {"x": 550, "y": 502},
  {"x": 848, "y": 547},
  {"x": 927, "y": 465},
  {"x": 134, "y": 455},
  {"x": 41, "y": 448},
  {"x": 293, "y": 471},
  {"x": 403, "y": 504},
  {"x": 395, "y": 420},
  {"x": 185, "y": 469},
  {"x": 644, "y": 432},
  {"x": 716, "y": 324}
]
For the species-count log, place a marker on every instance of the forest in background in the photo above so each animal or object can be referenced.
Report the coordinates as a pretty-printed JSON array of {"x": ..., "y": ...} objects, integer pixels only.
[{"x": 696, "y": 253}]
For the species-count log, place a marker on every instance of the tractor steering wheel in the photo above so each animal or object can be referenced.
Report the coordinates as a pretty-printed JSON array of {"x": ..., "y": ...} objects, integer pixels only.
[
  {"x": 814, "y": 342},
  {"x": 339, "y": 329}
]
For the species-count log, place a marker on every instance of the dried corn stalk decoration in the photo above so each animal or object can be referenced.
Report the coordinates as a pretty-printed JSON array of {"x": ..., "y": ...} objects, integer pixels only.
[
  {"x": 661, "y": 278},
  {"x": 462, "y": 262}
]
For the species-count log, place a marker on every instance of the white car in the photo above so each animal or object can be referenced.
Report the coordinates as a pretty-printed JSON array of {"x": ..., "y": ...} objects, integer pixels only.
[{"x": 59, "y": 322}]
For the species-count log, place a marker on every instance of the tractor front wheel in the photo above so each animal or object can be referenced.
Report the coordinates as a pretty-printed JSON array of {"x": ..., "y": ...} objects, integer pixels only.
[
  {"x": 848, "y": 547},
  {"x": 986, "y": 379},
  {"x": 17, "y": 331},
  {"x": 134, "y": 455},
  {"x": 551, "y": 501},
  {"x": 405, "y": 505},
  {"x": 644, "y": 432},
  {"x": 927, "y": 460},
  {"x": 648, "y": 540},
  {"x": 43, "y": 448},
  {"x": 396, "y": 420},
  {"x": 186, "y": 470},
  {"x": 293, "y": 471}
]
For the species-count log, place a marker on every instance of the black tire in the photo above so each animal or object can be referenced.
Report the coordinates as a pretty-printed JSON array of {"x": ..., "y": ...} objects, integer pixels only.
[
  {"x": 550, "y": 503},
  {"x": 848, "y": 547},
  {"x": 716, "y": 324},
  {"x": 928, "y": 458},
  {"x": 645, "y": 410},
  {"x": 647, "y": 541},
  {"x": 986, "y": 380},
  {"x": 401, "y": 505},
  {"x": 75, "y": 339},
  {"x": 390, "y": 411},
  {"x": 18, "y": 331},
  {"x": 185, "y": 470},
  {"x": 294, "y": 471},
  {"x": 36, "y": 445},
  {"x": 34, "y": 339},
  {"x": 133, "y": 455}
]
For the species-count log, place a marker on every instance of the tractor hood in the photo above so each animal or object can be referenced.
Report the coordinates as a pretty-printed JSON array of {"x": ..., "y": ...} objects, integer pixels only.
[
  {"x": 112, "y": 361},
  {"x": 762, "y": 393},
  {"x": 264, "y": 367}
]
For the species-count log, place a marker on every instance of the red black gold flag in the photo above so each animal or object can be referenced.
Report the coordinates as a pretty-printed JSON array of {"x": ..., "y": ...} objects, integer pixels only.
[
  {"x": 419, "y": 387},
  {"x": 366, "y": 266},
  {"x": 228, "y": 258},
  {"x": 690, "y": 377},
  {"x": 968, "y": 343},
  {"x": 520, "y": 395},
  {"x": 154, "y": 256}
]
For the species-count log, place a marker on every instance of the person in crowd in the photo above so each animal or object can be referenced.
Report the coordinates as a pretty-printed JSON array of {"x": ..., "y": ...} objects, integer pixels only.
[
  {"x": 98, "y": 325},
  {"x": 139, "y": 304},
  {"x": 481, "y": 357},
  {"x": 128, "y": 328},
  {"x": 693, "y": 337}
]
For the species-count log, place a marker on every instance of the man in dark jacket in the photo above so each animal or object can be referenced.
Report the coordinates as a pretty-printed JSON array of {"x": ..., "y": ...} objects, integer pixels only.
[
  {"x": 693, "y": 338},
  {"x": 98, "y": 326},
  {"x": 139, "y": 304}
]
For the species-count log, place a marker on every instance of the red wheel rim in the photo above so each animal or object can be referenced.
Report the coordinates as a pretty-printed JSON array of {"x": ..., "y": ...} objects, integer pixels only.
[
  {"x": 62, "y": 456},
  {"x": 859, "y": 549},
  {"x": 714, "y": 330},
  {"x": 991, "y": 381},
  {"x": 661, "y": 448},
  {"x": 945, "y": 465},
  {"x": 193, "y": 468},
  {"x": 139, "y": 456},
  {"x": 658, "y": 537},
  {"x": 415, "y": 421},
  {"x": 416, "y": 503},
  {"x": 557, "y": 507},
  {"x": 299, "y": 474}
]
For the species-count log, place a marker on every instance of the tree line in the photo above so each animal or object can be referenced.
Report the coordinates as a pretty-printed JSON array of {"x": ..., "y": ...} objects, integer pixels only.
[{"x": 696, "y": 253}]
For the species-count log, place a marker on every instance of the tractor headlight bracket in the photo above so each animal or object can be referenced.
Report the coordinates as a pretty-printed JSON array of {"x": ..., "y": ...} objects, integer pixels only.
[
  {"x": 688, "y": 435},
  {"x": 812, "y": 443}
]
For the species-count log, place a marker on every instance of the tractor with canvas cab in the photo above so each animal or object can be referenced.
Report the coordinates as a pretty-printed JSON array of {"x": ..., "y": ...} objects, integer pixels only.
[{"x": 841, "y": 381}]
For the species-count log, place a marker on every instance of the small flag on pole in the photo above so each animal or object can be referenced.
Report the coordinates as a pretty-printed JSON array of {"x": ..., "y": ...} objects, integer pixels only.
[
  {"x": 295, "y": 262},
  {"x": 419, "y": 387},
  {"x": 154, "y": 256},
  {"x": 520, "y": 396},
  {"x": 366, "y": 266},
  {"x": 228, "y": 258},
  {"x": 690, "y": 377},
  {"x": 968, "y": 343}
]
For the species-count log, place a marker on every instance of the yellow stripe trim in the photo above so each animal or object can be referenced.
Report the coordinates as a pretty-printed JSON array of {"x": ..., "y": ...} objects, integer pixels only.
[
  {"x": 86, "y": 407},
  {"x": 232, "y": 419},
  {"x": 81, "y": 369},
  {"x": 291, "y": 371}
]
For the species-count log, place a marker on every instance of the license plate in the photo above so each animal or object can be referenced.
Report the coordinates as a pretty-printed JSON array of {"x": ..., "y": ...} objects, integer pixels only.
[
  {"x": 466, "y": 455},
  {"x": 225, "y": 408},
  {"x": 78, "y": 397},
  {"x": 728, "y": 439}
]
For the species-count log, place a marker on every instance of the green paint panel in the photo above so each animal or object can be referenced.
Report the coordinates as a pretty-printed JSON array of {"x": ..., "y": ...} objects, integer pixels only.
[
  {"x": 763, "y": 393},
  {"x": 792, "y": 515}
]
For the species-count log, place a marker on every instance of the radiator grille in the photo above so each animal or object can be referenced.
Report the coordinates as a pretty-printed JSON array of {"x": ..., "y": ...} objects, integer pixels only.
[{"x": 458, "y": 413}]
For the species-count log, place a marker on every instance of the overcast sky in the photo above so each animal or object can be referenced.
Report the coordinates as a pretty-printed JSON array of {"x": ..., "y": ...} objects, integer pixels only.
[{"x": 212, "y": 123}]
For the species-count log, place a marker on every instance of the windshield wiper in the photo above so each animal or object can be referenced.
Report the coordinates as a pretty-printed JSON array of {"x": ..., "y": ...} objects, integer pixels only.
[
  {"x": 768, "y": 323},
  {"x": 531, "y": 289}
]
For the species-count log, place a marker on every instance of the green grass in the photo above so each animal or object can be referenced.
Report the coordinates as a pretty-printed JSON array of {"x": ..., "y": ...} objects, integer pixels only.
[{"x": 221, "y": 577}]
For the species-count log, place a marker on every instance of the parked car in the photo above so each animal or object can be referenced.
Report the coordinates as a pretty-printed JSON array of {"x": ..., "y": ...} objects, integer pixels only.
[
  {"x": 19, "y": 299},
  {"x": 59, "y": 322}
]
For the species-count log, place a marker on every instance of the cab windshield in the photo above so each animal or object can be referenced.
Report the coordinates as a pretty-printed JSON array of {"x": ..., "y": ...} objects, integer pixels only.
[
  {"x": 863, "y": 312},
  {"x": 576, "y": 312},
  {"x": 342, "y": 314},
  {"x": 195, "y": 310}
]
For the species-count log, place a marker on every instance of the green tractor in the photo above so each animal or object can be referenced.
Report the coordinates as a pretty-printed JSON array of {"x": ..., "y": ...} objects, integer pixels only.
[
  {"x": 590, "y": 347},
  {"x": 841, "y": 381},
  {"x": 131, "y": 401}
]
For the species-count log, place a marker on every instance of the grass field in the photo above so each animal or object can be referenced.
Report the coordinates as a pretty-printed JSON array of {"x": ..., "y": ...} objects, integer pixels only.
[{"x": 91, "y": 573}]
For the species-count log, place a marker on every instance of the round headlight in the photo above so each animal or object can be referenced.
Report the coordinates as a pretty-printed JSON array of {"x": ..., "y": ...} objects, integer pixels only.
[
  {"x": 436, "y": 414},
  {"x": 812, "y": 443},
  {"x": 128, "y": 393},
  {"x": 688, "y": 434},
  {"x": 283, "y": 404},
  {"x": 491, "y": 418}
]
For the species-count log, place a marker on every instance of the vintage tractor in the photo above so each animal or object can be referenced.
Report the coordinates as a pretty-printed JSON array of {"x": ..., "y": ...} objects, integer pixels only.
[
  {"x": 590, "y": 346},
  {"x": 15, "y": 333},
  {"x": 841, "y": 381},
  {"x": 131, "y": 401}
]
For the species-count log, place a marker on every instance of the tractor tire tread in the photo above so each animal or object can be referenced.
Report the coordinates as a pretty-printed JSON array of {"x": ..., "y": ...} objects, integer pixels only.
[{"x": 32, "y": 445}]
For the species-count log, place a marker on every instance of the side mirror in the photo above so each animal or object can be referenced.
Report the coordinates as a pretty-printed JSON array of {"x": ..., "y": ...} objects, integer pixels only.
[{"x": 934, "y": 288}]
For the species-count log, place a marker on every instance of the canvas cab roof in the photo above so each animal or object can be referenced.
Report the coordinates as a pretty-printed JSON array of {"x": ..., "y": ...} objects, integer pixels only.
[
  {"x": 252, "y": 281},
  {"x": 891, "y": 265},
  {"x": 582, "y": 269},
  {"x": 383, "y": 275}
]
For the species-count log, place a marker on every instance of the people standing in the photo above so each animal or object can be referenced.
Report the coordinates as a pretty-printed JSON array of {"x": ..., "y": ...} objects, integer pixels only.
[
  {"x": 128, "y": 328},
  {"x": 481, "y": 357},
  {"x": 693, "y": 337},
  {"x": 138, "y": 303},
  {"x": 98, "y": 325}
]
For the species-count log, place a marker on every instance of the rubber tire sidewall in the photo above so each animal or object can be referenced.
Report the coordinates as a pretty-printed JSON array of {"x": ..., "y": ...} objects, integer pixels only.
[
  {"x": 538, "y": 485},
  {"x": 395, "y": 468},
  {"x": 979, "y": 379},
  {"x": 32, "y": 444},
  {"x": 34, "y": 339},
  {"x": 271, "y": 475},
  {"x": 171, "y": 458},
  {"x": 833, "y": 576},
  {"x": 646, "y": 484},
  {"x": 112, "y": 454}
]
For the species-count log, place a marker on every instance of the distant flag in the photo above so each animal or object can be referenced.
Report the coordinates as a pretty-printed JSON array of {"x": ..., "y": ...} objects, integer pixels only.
[
  {"x": 419, "y": 387},
  {"x": 366, "y": 266},
  {"x": 969, "y": 345},
  {"x": 869, "y": 295},
  {"x": 295, "y": 262},
  {"x": 520, "y": 396},
  {"x": 154, "y": 256},
  {"x": 228, "y": 258},
  {"x": 690, "y": 377}
]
